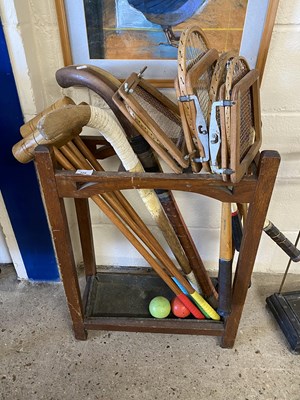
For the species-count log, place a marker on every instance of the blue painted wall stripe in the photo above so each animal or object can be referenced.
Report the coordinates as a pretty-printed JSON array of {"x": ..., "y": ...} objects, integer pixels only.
[{"x": 19, "y": 185}]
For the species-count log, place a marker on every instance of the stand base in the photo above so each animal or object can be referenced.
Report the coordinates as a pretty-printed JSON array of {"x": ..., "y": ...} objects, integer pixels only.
[
  {"x": 124, "y": 292},
  {"x": 118, "y": 299},
  {"x": 286, "y": 309}
]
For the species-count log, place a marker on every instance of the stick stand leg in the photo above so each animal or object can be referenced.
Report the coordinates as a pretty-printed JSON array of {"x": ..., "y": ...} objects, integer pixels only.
[
  {"x": 61, "y": 238},
  {"x": 258, "y": 208},
  {"x": 86, "y": 236}
]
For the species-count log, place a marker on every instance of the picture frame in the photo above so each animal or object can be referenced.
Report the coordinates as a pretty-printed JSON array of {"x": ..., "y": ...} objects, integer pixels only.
[{"x": 255, "y": 41}]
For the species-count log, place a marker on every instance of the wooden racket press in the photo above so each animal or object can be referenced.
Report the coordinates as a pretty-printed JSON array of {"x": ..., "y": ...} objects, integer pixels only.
[{"x": 57, "y": 184}]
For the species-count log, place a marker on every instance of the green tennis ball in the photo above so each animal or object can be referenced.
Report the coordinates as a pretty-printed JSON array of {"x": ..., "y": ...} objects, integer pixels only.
[{"x": 159, "y": 307}]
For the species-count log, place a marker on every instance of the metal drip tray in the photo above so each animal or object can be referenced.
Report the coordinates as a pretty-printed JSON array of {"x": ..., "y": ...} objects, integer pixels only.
[
  {"x": 124, "y": 293},
  {"x": 286, "y": 309},
  {"x": 118, "y": 299}
]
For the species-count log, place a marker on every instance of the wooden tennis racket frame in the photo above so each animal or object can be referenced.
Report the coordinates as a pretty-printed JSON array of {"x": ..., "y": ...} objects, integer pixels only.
[
  {"x": 157, "y": 138},
  {"x": 230, "y": 125},
  {"x": 56, "y": 185},
  {"x": 249, "y": 82}
]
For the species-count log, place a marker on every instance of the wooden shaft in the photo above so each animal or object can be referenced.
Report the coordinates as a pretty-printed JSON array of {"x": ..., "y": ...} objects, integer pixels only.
[
  {"x": 172, "y": 211},
  {"x": 105, "y": 86},
  {"x": 140, "y": 248},
  {"x": 139, "y": 228},
  {"x": 116, "y": 196},
  {"x": 87, "y": 153},
  {"x": 84, "y": 150},
  {"x": 82, "y": 162},
  {"x": 226, "y": 233},
  {"x": 170, "y": 267},
  {"x": 73, "y": 154},
  {"x": 201, "y": 303},
  {"x": 63, "y": 161},
  {"x": 108, "y": 211},
  {"x": 225, "y": 261},
  {"x": 161, "y": 218},
  {"x": 69, "y": 118},
  {"x": 188, "y": 245}
]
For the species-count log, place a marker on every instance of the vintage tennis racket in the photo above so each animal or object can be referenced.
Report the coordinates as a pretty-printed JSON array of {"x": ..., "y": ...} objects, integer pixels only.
[
  {"x": 156, "y": 118},
  {"x": 192, "y": 47},
  {"x": 217, "y": 141},
  {"x": 217, "y": 135},
  {"x": 241, "y": 117},
  {"x": 196, "y": 95}
]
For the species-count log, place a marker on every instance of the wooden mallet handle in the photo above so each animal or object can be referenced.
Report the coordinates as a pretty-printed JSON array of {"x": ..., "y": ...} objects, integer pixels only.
[
  {"x": 31, "y": 125},
  {"x": 57, "y": 130}
]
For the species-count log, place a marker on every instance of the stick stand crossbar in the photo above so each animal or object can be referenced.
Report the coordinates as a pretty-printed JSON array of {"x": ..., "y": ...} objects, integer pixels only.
[{"x": 58, "y": 184}]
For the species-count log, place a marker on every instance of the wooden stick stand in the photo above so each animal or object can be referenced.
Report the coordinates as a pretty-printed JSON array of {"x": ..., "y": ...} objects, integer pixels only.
[{"x": 56, "y": 185}]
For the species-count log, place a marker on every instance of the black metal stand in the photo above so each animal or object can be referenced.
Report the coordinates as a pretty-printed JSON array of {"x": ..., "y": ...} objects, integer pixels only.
[{"x": 286, "y": 310}]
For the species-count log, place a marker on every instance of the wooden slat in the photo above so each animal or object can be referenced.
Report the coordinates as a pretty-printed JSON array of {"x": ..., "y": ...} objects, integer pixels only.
[
  {"x": 266, "y": 37},
  {"x": 71, "y": 185},
  {"x": 190, "y": 327}
]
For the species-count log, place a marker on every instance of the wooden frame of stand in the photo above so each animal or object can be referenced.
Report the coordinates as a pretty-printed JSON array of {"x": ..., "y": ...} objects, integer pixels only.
[{"x": 57, "y": 184}]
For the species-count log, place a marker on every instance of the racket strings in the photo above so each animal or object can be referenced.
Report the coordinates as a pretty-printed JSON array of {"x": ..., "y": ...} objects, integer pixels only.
[
  {"x": 140, "y": 123},
  {"x": 202, "y": 90},
  {"x": 237, "y": 68},
  {"x": 247, "y": 129},
  {"x": 240, "y": 69},
  {"x": 192, "y": 47},
  {"x": 188, "y": 65},
  {"x": 195, "y": 47},
  {"x": 168, "y": 122}
]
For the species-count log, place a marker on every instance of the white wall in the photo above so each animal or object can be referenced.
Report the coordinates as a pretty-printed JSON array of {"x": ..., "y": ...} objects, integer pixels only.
[
  {"x": 281, "y": 129},
  {"x": 5, "y": 257},
  {"x": 35, "y": 27}
]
